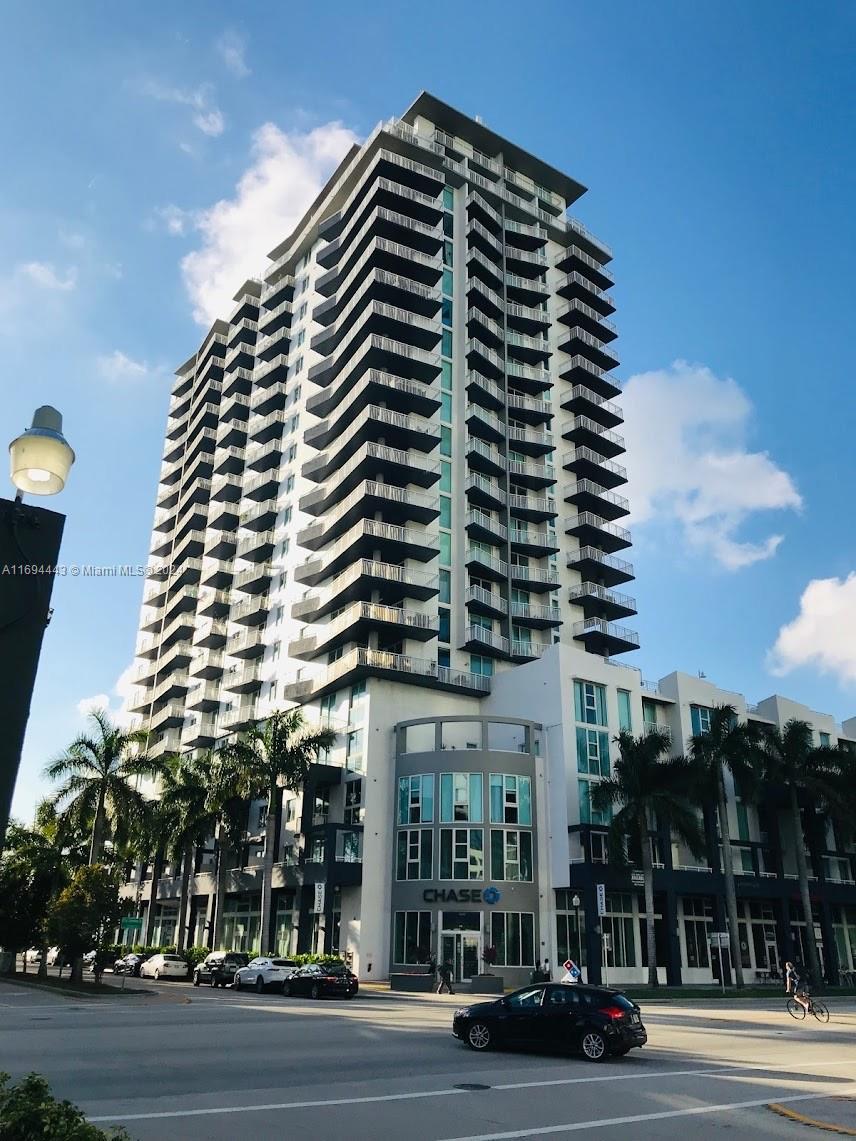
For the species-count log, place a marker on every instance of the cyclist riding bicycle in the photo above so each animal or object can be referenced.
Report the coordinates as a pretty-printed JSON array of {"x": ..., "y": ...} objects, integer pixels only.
[{"x": 795, "y": 986}]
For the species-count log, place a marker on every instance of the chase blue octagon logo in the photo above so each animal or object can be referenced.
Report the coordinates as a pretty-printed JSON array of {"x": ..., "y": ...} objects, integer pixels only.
[{"x": 491, "y": 895}]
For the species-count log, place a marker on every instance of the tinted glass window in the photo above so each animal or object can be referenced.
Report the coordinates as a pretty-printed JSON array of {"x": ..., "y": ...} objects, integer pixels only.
[
  {"x": 562, "y": 996},
  {"x": 525, "y": 998},
  {"x": 173, "y": 959}
]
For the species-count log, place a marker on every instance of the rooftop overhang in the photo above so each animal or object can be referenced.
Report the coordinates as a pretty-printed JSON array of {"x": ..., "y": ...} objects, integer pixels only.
[{"x": 457, "y": 123}]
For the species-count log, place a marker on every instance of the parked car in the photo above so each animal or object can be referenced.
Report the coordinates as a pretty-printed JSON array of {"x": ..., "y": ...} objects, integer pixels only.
[
  {"x": 264, "y": 973},
  {"x": 219, "y": 968},
  {"x": 316, "y": 980},
  {"x": 34, "y": 955},
  {"x": 56, "y": 958},
  {"x": 129, "y": 965},
  {"x": 164, "y": 967},
  {"x": 598, "y": 1021}
]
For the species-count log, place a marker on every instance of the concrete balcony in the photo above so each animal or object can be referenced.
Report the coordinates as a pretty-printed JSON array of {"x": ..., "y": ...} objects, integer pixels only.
[
  {"x": 361, "y": 662},
  {"x": 533, "y": 508},
  {"x": 575, "y": 258},
  {"x": 261, "y": 486},
  {"x": 484, "y": 564},
  {"x": 260, "y": 516},
  {"x": 528, "y": 291},
  {"x": 376, "y": 351},
  {"x": 244, "y": 679},
  {"x": 204, "y": 698},
  {"x": 483, "y": 297},
  {"x": 485, "y": 392},
  {"x": 246, "y": 644},
  {"x": 577, "y": 342},
  {"x": 597, "y": 601},
  {"x": 273, "y": 371},
  {"x": 528, "y": 378},
  {"x": 169, "y": 716},
  {"x": 484, "y": 459},
  {"x": 485, "y": 641},
  {"x": 595, "y": 565},
  {"x": 214, "y": 603},
  {"x": 360, "y": 619},
  {"x": 531, "y": 350},
  {"x": 577, "y": 285},
  {"x": 587, "y": 433},
  {"x": 272, "y": 320},
  {"x": 199, "y": 733},
  {"x": 528, "y": 541},
  {"x": 531, "y": 320},
  {"x": 253, "y": 580},
  {"x": 399, "y": 505},
  {"x": 252, "y": 611},
  {"x": 540, "y": 616},
  {"x": 481, "y": 358},
  {"x": 207, "y": 664},
  {"x": 530, "y": 442},
  {"x": 587, "y": 495},
  {"x": 372, "y": 425},
  {"x": 536, "y": 476},
  {"x": 228, "y": 461},
  {"x": 360, "y": 581},
  {"x": 239, "y": 716},
  {"x": 485, "y": 492},
  {"x": 485, "y": 425},
  {"x": 478, "y": 600},
  {"x": 210, "y": 633},
  {"x": 591, "y": 529},
  {"x": 269, "y": 401},
  {"x": 369, "y": 538},
  {"x": 258, "y": 545},
  {"x": 370, "y": 461},
  {"x": 578, "y": 314},
  {"x": 263, "y": 428},
  {"x": 590, "y": 465},
  {"x": 264, "y": 456},
  {"x": 533, "y": 578},
  {"x": 374, "y": 387},
  {"x": 480, "y": 525},
  {"x": 224, "y": 516},
  {"x": 585, "y": 402},
  {"x": 601, "y": 637}
]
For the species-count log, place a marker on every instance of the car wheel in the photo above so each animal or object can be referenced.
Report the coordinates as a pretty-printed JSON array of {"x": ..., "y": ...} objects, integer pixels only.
[
  {"x": 260, "y": 984},
  {"x": 594, "y": 1046},
  {"x": 479, "y": 1037},
  {"x": 286, "y": 989},
  {"x": 196, "y": 978},
  {"x": 316, "y": 990}
]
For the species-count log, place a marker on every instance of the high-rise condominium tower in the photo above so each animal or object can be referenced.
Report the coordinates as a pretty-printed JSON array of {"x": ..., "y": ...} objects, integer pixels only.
[{"x": 395, "y": 461}]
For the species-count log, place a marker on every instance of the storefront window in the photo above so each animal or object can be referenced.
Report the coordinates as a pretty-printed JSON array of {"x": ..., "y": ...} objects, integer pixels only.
[
  {"x": 411, "y": 937},
  {"x": 513, "y": 936}
]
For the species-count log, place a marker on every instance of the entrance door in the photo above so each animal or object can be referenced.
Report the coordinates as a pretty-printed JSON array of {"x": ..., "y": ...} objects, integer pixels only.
[{"x": 463, "y": 950}]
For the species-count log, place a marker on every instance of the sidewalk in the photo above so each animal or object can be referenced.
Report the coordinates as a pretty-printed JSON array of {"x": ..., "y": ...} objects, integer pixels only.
[{"x": 831, "y": 1114}]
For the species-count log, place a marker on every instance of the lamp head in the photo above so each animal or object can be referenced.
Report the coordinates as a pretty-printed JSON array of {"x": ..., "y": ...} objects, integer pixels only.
[{"x": 40, "y": 458}]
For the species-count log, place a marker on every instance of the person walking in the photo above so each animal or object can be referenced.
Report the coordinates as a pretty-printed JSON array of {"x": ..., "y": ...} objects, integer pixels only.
[{"x": 445, "y": 971}]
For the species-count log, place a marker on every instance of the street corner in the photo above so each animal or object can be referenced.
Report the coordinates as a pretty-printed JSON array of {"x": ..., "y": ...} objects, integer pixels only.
[{"x": 835, "y": 1115}]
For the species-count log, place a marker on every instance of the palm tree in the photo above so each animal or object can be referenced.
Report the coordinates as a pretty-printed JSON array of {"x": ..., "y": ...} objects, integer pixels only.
[
  {"x": 100, "y": 774},
  {"x": 814, "y": 779},
  {"x": 188, "y": 821},
  {"x": 228, "y": 809},
  {"x": 275, "y": 754},
  {"x": 727, "y": 744},
  {"x": 650, "y": 786}
]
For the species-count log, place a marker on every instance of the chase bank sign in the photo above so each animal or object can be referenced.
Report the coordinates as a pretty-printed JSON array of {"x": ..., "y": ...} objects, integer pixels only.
[{"x": 489, "y": 895}]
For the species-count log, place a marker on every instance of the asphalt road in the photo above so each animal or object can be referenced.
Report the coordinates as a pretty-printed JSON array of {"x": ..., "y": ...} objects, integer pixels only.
[{"x": 227, "y": 1065}]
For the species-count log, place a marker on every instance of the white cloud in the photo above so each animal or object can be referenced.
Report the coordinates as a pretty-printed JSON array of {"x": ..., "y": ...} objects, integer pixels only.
[
  {"x": 286, "y": 173},
  {"x": 45, "y": 275},
  {"x": 823, "y": 634},
  {"x": 73, "y": 239},
  {"x": 88, "y": 705},
  {"x": 207, "y": 117},
  {"x": 172, "y": 218},
  {"x": 686, "y": 438},
  {"x": 232, "y": 50},
  {"x": 120, "y": 713},
  {"x": 117, "y": 366}
]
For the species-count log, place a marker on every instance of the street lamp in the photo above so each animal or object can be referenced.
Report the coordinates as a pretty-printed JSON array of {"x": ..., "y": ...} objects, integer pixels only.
[
  {"x": 40, "y": 460},
  {"x": 575, "y": 903}
]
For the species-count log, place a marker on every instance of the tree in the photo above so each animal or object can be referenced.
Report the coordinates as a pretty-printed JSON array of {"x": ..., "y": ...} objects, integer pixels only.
[
  {"x": 649, "y": 786},
  {"x": 230, "y": 813},
  {"x": 83, "y": 912},
  {"x": 813, "y": 780},
  {"x": 275, "y": 754},
  {"x": 188, "y": 820},
  {"x": 728, "y": 744},
  {"x": 21, "y": 917},
  {"x": 101, "y": 774}
]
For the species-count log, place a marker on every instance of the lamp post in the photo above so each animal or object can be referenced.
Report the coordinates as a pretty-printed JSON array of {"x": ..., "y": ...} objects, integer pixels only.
[
  {"x": 575, "y": 903},
  {"x": 40, "y": 460}
]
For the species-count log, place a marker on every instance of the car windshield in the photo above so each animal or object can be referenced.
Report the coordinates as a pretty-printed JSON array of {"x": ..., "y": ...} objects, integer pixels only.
[{"x": 258, "y": 963}]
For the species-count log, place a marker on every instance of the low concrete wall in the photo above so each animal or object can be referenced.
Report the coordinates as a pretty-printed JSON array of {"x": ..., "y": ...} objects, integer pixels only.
[
  {"x": 423, "y": 984},
  {"x": 487, "y": 984}
]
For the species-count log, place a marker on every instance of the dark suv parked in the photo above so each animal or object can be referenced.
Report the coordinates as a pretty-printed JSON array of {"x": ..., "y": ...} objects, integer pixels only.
[{"x": 218, "y": 969}]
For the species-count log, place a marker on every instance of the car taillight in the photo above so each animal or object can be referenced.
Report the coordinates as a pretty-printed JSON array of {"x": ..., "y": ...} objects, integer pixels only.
[{"x": 613, "y": 1012}]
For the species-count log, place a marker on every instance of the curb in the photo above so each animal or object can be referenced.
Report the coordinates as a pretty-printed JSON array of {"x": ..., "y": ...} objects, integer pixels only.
[
  {"x": 801, "y": 1119},
  {"x": 62, "y": 992}
]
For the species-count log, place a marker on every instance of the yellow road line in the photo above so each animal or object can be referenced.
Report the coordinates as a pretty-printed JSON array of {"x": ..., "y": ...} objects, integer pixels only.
[{"x": 802, "y": 1119}]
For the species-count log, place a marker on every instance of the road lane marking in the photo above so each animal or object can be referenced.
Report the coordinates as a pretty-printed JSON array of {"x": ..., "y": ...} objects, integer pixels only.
[
  {"x": 414, "y": 1095},
  {"x": 639, "y": 1118}
]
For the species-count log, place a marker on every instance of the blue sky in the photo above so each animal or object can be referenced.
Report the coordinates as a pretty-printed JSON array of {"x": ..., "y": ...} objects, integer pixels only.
[{"x": 716, "y": 140}]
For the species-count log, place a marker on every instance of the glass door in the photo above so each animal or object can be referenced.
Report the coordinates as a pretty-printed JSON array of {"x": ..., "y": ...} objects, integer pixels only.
[{"x": 461, "y": 949}]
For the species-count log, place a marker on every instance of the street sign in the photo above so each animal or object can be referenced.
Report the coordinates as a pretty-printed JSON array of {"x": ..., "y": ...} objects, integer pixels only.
[
  {"x": 719, "y": 939},
  {"x": 318, "y": 906},
  {"x": 131, "y": 923},
  {"x": 637, "y": 879},
  {"x": 601, "y": 899}
]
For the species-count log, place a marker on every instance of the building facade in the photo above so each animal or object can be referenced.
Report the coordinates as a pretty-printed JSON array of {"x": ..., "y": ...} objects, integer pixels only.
[{"x": 390, "y": 493}]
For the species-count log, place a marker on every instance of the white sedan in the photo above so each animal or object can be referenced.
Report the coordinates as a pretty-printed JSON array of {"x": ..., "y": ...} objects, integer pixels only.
[
  {"x": 264, "y": 973},
  {"x": 164, "y": 967}
]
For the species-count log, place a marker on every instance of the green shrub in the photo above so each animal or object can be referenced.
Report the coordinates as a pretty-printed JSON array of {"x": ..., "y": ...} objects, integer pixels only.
[
  {"x": 28, "y": 1111},
  {"x": 195, "y": 955},
  {"x": 325, "y": 960}
]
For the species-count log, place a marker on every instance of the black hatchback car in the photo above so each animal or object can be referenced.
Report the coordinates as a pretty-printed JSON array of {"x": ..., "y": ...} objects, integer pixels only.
[
  {"x": 597, "y": 1021},
  {"x": 129, "y": 965},
  {"x": 316, "y": 980},
  {"x": 218, "y": 968}
]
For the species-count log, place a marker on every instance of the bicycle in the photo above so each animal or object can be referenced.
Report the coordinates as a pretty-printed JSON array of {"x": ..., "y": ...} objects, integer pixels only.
[{"x": 815, "y": 1006}]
